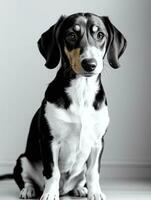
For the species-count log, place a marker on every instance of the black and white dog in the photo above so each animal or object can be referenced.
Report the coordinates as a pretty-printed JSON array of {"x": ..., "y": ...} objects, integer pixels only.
[{"x": 66, "y": 136}]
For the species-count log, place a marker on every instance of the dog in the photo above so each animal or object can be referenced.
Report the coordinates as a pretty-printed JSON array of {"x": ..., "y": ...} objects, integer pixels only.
[{"x": 66, "y": 136}]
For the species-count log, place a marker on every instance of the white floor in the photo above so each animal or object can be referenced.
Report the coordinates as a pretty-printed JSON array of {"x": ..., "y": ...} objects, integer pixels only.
[{"x": 114, "y": 189}]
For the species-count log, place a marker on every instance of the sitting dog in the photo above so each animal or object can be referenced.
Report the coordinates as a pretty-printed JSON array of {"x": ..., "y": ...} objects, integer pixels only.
[{"x": 66, "y": 136}]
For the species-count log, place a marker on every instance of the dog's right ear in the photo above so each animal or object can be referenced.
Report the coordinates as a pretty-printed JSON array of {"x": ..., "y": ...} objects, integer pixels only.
[{"x": 48, "y": 46}]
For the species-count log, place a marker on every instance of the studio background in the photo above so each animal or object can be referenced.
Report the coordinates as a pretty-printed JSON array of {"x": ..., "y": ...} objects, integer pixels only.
[{"x": 23, "y": 79}]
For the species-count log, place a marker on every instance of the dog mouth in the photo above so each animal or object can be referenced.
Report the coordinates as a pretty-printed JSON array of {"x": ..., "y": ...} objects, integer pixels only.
[
  {"x": 88, "y": 74},
  {"x": 82, "y": 72}
]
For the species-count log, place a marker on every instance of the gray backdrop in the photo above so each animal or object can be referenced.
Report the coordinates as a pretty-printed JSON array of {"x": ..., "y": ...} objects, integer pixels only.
[{"x": 23, "y": 77}]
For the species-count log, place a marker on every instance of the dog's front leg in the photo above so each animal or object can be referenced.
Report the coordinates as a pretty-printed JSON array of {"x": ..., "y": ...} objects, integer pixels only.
[
  {"x": 92, "y": 174},
  {"x": 50, "y": 152}
]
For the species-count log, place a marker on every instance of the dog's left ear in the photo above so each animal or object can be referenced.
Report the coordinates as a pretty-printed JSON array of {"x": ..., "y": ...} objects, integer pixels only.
[
  {"x": 116, "y": 43},
  {"x": 48, "y": 46}
]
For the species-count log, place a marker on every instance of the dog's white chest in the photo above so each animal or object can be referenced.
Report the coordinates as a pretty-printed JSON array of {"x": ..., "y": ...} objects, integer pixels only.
[{"x": 76, "y": 129}]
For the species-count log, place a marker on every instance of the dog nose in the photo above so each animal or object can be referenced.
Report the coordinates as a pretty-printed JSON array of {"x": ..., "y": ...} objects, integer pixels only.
[{"x": 89, "y": 64}]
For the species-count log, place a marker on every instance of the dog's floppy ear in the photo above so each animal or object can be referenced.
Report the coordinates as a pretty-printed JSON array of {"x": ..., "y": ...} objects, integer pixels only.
[
  {"x": 116, "y": 43},
  {"x": 48, "y": 46}
]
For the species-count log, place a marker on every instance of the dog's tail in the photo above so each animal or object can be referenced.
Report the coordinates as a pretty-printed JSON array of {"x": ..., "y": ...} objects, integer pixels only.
[{"x": 6, "y": 177}]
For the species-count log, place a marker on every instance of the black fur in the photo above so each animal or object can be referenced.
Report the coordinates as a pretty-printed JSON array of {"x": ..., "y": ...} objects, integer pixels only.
[
  {"x": 17, "y": 173},
  {"x": 39, "y": 141},
  {"x": 48, "y": 45},
  {"x": 116, "y": 43},
  {"x": 55, "y": 92},
  {"x": 6, "y": 176},
  {"x": 100, "y": 96},
  {"x": 33, "y": 148},
  {"x": 45, "y": 143}
]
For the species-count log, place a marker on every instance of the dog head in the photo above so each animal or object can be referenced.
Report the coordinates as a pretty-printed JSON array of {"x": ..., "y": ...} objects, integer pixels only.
[{"x": 82, "y": 41}]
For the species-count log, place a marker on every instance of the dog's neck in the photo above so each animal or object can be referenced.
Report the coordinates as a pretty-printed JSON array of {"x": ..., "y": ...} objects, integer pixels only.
[
  {"x": 69, "y": 87},
  {"x": 82, "y": 90}
]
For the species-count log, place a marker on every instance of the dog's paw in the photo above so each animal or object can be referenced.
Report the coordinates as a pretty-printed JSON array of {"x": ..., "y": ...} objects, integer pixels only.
[
  {"x": 50, "y": 196},
  {"x": 79, "y": 192},
  {"x": 28, "y": 193},
  {"x": 96, "y": 194}
]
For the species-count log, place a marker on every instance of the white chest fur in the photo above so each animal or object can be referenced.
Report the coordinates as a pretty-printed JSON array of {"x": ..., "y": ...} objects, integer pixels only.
[{"x": 79, "y": 127}]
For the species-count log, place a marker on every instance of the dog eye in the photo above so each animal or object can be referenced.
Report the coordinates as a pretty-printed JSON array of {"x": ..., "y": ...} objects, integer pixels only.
[
  {"x": 71, "y": 36},
  {"x": 100, "y": 35}
]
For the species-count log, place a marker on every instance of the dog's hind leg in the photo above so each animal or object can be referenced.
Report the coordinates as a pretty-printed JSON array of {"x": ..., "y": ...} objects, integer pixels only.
[{"x": 28, "y": 176}]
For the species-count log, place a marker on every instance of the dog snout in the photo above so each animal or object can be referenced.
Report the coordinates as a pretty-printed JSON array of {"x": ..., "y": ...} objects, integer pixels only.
[{"x": 89, "y": 65}]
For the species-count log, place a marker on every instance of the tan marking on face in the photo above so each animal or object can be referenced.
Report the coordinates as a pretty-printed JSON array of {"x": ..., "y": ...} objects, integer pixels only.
[{"x": 74, "y": 59}]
